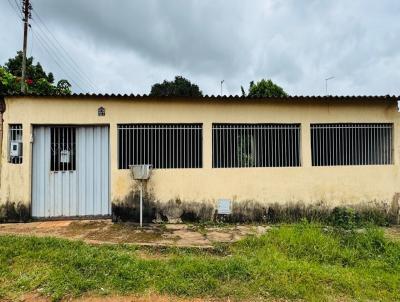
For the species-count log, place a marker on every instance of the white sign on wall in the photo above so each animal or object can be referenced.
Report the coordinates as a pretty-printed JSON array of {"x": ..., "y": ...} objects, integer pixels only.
[
  {"x": 64, "y": 156},
  {"x": 224, "y": 206}
]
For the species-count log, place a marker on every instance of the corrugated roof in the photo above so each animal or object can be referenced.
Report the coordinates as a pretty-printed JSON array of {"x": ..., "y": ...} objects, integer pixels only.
[{"x": 378, "y": 98}]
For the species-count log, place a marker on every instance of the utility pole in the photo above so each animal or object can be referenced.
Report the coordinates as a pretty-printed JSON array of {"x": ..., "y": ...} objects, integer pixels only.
[
  {"x": 222, "y": 82},
  {"x": 26, "y": 7}
]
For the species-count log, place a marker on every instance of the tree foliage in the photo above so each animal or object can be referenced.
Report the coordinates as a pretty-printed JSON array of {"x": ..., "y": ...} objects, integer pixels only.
[
  {"x": 179, "y": 87},
  {"x": 33, "y": 72},
  {"x": 264, "y": 88},
  {"x": 37, "y": 80},
  {"x": 8, "y": 82}
]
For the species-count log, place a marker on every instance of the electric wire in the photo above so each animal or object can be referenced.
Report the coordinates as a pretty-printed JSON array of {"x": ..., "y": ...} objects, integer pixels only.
[
  {"x": 19, "y": 8},
  {"x": 45, "y": 46},
  {"x": 60, "y": 58},
  {"x": 55, "y": 55},
  {"x": 15, "y": 10},
  {"x": 73, "y": 63}
]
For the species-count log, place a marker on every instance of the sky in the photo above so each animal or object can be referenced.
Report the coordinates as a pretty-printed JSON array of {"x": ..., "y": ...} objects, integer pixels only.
[{"x": 126, "y": 46}]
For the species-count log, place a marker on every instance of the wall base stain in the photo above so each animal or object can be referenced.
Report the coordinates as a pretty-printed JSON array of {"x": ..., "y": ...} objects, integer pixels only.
[
  {"x": 250, "y": 211},
  {"x": 129, "y": 208},
  {"x": 395, "y": 209},
  {"x": 176, "y": 211},
  {"x": 14, "y": 212}
]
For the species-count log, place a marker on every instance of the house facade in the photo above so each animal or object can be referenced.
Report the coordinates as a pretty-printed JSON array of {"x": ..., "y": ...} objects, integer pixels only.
[{"x": 69, "y": 156}]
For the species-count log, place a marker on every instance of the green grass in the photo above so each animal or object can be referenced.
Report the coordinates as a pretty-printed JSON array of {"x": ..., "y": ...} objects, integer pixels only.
[{"x": 302, "y": 261}]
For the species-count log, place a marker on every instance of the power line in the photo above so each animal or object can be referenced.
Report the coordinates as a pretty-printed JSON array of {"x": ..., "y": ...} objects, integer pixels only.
[
  {"x": 66, "y": 53},
  {"x": 56, "y": 55},
  {"x": 16, "y": 11},
  {"x": 46, "y": 47},
  {"x": 18, "y": 7},
  {"x": 74, "y": 65},
  {"x": 42, "y": 41},
  {"x": 61, "y": 57},
  {"x": 47, "y": 44}
]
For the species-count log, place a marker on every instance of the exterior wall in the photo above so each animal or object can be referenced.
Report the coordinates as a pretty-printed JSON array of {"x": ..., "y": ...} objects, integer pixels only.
[{"x": 333, "y": 185}]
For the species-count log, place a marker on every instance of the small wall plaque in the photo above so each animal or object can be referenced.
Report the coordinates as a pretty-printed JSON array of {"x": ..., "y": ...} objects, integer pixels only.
[
  {"x": 101, "y": 111},
  {"x": 224, "y": 206}
]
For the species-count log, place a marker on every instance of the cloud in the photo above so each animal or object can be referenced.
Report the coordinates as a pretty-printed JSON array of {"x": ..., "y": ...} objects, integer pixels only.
[{"x": 126, "y": 45}]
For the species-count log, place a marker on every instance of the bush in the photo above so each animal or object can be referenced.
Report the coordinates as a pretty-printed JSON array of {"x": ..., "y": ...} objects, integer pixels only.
[
  {"x": 344, "y": 218},
  {"x": 349, "y": 218}
]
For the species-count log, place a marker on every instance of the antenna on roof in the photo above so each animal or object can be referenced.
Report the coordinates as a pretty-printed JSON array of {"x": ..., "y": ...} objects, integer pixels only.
[
  {"x": 222, "y": 82},
  {"x": 326, "y": 84}
]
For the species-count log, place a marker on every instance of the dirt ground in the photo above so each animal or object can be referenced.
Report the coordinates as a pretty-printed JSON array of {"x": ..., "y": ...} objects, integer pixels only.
[
  {"x": 146, "y": 298},
  {"x": 105, "y": 231},
  {"x": 179, "y": 235},
  {"x": 393, "y": 233}
]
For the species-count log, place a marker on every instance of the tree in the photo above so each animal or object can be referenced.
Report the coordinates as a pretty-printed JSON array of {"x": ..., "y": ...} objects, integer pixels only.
[
  {"x": 8, "y": 82},
  {"x": 33, "y": 72},
  {"x": 37, "y": 80},
  {"x": 179, "y": 87},
  {"x": 264, "y": 88},
  {"x": 63, "y": 86}
]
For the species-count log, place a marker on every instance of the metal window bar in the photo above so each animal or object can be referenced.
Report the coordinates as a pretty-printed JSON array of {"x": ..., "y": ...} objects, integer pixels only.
[
  {"x": 352, "y": 144},
  {"x": 255, "y": 145},
  {"x": 164, "y": 146},
  {"x": 15, "y": 145}
]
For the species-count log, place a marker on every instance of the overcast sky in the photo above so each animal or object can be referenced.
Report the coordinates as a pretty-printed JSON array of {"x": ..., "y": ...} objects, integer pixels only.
[{"x": 125, "y": 46}]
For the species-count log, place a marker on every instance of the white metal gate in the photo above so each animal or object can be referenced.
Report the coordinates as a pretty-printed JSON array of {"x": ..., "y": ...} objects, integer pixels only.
[{"x": 70, "y": 171}]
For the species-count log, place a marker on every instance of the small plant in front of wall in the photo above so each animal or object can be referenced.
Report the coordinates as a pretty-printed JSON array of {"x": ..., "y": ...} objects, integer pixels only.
[{"x": 344, "y": 218}]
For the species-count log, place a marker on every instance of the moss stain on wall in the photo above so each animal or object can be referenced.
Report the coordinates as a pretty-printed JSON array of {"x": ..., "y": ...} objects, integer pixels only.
[
  {"x": 248, "y": 211},
  {"x": 14, "y": 212}
]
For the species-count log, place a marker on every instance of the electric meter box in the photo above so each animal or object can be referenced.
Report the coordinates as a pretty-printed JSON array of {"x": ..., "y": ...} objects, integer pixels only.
[
  {"x": 140, "y": 172},
  {"x": 224, "y": 207},
  {"x": 15, "y": 149}
]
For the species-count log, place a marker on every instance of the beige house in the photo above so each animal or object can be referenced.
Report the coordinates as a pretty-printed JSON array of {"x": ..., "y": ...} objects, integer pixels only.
[{"x": 69, "y": 156}]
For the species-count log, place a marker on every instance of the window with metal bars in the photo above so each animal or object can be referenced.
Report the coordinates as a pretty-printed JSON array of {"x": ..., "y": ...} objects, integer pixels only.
[
  {"x": 15, "y": 144},
  {"x": 351, "y": 144},
  {"x": 255, "y": 145},
  {"x": 164, "y": 146},
  {"x": 63, "y": 149}
]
